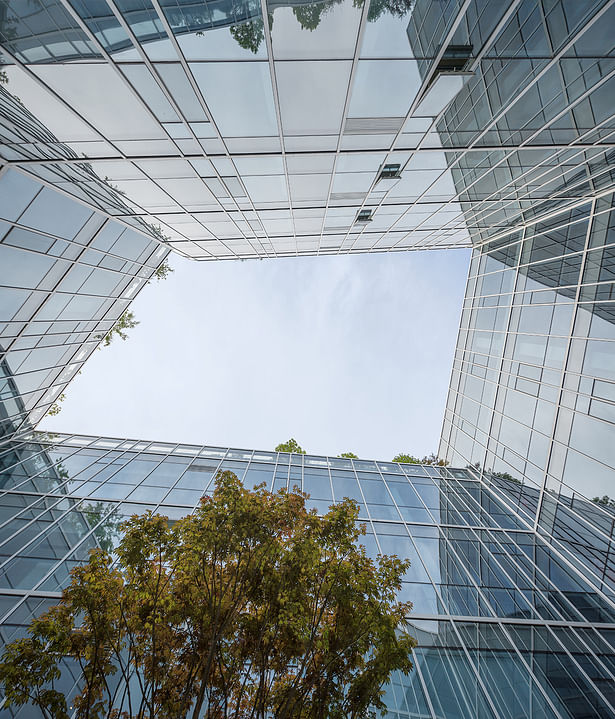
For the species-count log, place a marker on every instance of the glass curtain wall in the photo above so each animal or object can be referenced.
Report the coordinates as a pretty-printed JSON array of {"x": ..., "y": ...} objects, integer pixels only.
[{"x": 506, "y": 627}]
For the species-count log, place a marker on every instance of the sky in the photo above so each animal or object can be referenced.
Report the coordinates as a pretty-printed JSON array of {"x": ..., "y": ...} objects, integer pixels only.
[{"x": 343, "y": 353}]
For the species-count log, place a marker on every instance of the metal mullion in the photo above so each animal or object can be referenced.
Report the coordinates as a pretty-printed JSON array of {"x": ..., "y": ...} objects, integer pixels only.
[
  {"x": 369, "y": 520},
  {"x": 201, "y": 100},
  {"x": 503, "y": 112},
  {"x": 14, "y": 448},
  {"x": 177, "y": 109},
  {"x": 54, "y": 465},
  {"x": 275, "y": 471},
  {"x": 93, "y": 208},
  {"x": 496, "y": 619},
  {"x": 581, "y": 670},
  {"x": 514, "y": 621},
  {"x": 460, "y": 329},
  {"x": 493, "y": 35},
  {"x": 66, "y": 105},
  {"x": 161, "y": 503},
  {"x": 599, "y": 144},
  {"x": 449, "y": 616},
  {"x": 31, "y": 477},
  {"x": 550, "y": 169},
  {"x": 106, "y": 453},
  {"x": 553, "y": 545},
  {"x": 583, "y": 520},
  {"x": 424, "y": 688},
  {"x": 419, "y": 96},
  {"x": 17, "y": 555},
  {"x": 590, "y": 577},
  {"x": 45, "y": 495},
  {"x": 336, "y": 154},
  {"x": 552, "y": 213},
  {"x": 220, "y": 460},
  {"x": 556, "y": 415},
  {"x": 70, "y": 10},
  {"x": 521, "y": 569},
  {"x": 103, "y": 253},
  {"x": 500, "y": 363},
  {"x": 524, "y": 145},
  {"x": 38, "y": 500},
  {"x": 583, "y": 643},
  {"x": 60, "y": 561},
  {"x": 278, "y": 115}
]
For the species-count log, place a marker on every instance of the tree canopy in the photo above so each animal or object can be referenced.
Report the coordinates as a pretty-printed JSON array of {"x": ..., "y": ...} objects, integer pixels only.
[
  {"x": 249, "y": 607},
  {"x": 291, "y": 446},
  {"x": 403, "y": 458},
  {"x": 125, "y": 322},
  {"x": 348, "y": 455}
]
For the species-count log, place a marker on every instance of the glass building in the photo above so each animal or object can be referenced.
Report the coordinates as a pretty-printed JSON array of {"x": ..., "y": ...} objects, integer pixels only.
[
  {"x": 506, "y": 626},
  {"x": 226, "y": 129}
]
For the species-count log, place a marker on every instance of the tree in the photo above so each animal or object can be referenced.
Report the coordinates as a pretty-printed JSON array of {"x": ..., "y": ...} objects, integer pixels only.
[
  {"x": 406, "y": 459},
  {"x": 56, "y": 407},
  {"x": 605, "y": 501},
  {"x": 434, "y": 459},
  {"x": 249, "y": 607},
  {"x": 348, "y": 455},
  {"x": 290, "y": 446},
  {"x": 428, "y": 459},
  {"x": 249, "y": 35},
  {"x": 163, "y": 271},
  {"x": 126, "y": 322}
]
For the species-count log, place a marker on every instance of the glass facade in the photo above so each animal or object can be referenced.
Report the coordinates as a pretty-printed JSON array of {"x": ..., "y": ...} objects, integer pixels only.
[
  {"x": 68, "y": 274},
  {"x": 239, "y": 129},
  {"x": 506, "y": 626}
]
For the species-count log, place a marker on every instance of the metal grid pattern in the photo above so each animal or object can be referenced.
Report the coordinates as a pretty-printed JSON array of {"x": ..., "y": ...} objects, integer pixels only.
[
  {"x": 68, "y": 274},
  {"x": 533, "y": 386},
  {"x": 507, "y": 626},
  {"x": 248, "y": 129}
]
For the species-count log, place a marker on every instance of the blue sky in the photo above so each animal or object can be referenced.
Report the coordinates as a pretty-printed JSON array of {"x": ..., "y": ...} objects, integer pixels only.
[{"x": 344, "y": 353}]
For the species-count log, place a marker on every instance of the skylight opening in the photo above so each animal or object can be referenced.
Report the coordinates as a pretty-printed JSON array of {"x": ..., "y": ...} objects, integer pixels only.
[
  {"x": 390, "y": 172},
  {"x": 364, "y": 216}
]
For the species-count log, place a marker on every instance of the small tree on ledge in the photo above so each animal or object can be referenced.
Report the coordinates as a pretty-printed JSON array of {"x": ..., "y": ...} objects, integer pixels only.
[
  {"x": 406, "y": 459},
  {"x": 291, "y": 446},
  {"x": 348, "y": 455},
  {"x": 428, "y": 459},
  {"x": 126, "y": 322}
]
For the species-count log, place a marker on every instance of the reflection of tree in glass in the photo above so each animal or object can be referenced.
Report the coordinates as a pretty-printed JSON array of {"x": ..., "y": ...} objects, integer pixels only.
[
  {"x": 309, "y": 15},
  {"x": 108, "y": 532},
  {"x": 397, "y": 8},
  {"x": 250, "y": 35},
  {"x": 605, "y": 501}
]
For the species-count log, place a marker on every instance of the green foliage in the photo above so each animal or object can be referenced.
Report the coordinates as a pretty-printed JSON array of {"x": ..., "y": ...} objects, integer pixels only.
[
  {"x": 505, "y": 475},
  {"x": 126, "y": 322},
  {"x": 249, "y": 35},
  {"x": 605, "y": 501},
  {"x": 250, "y": 607},
  {"x": 290, "y": 446},
  {"x": 428, "y": 459},
  {"x": 163, "y": 271},
  {"x": 156, "y": 230},
  {"x": 310, "y": 15},
  {"x": 56, "y": 407},
  {"x": 406, "y": 459},
  {"x": 348, "y": 455},
  {"x": 435, "y": 460}
]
